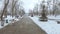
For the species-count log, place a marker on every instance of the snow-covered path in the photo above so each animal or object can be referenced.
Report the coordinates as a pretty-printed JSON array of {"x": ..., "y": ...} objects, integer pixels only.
[{"x": 51, "y": 27}]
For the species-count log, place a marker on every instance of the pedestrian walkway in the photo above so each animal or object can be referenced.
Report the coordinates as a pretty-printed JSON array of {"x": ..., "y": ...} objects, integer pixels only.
[{"x": 23, "y": 26}]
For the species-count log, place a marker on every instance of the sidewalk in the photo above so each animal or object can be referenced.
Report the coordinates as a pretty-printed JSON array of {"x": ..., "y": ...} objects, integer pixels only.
[{"x": 23, "y": 26}]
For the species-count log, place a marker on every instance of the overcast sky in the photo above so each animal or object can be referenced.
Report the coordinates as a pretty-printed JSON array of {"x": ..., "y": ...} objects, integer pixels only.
[
  {"x": 1, "y": 4},
  {"x": 29, "y": 4}
]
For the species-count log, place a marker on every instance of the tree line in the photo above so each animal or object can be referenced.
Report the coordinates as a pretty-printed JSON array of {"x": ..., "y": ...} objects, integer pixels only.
[
  {"x": 13, "y": 8},
  {"x": 51, "y": 8}
]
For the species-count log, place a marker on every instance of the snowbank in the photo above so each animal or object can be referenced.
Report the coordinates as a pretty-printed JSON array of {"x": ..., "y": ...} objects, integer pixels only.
[
  {"x": 51, "y": 27},
  {"x": 54, "y": 17},
  {"x": 10, "y": 20}
]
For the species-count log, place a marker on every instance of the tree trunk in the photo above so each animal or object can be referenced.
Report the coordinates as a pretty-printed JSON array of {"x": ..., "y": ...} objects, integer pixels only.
[{"x": 4, "y": 9}]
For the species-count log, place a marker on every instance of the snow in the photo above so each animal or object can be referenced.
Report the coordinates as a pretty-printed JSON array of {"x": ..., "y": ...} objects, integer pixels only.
[
  {"x": 5, "y": 24},
  {"x": 51, "y": 27},
  {"x": 10, "y": 20},
  {"x": 54, "y": 17}
]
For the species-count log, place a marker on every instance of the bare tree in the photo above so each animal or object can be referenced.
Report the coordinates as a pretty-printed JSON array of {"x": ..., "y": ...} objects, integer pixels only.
[
  {"x": 16, "y": 10},
  {"x": 35, "y": 10},
  {"x": 14, "y": 2},
  {"x": 31, "y": 12},
  {"x": 54, "y": 6},
  {"x": 21, "y": 9},
  {"x": 5, "y": 8}
]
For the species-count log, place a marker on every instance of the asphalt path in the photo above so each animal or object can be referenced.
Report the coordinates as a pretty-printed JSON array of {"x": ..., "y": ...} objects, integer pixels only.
[{"x": 24, "y": 26}]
